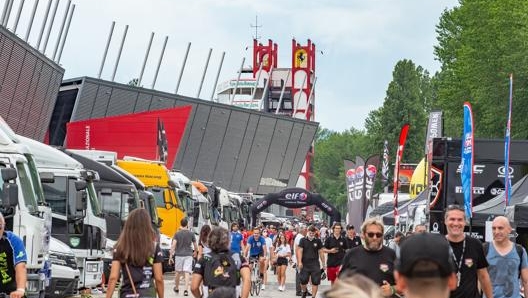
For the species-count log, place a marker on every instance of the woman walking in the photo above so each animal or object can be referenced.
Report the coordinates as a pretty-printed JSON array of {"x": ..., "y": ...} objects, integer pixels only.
[
  {"x": 283, "y": 252},
  {"x": 140, "y": 264},
  {"x": 203, "y": 247}
]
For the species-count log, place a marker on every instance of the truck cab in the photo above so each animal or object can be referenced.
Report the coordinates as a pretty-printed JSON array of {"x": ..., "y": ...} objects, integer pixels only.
[{"x": 76, "y": 213}]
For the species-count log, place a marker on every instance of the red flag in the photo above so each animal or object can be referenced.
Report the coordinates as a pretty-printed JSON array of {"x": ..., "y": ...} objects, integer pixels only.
[{"x": 396, "y": 181}]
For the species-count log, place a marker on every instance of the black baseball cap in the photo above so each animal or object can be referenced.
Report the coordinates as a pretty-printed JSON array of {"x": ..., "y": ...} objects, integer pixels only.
[{"x": 425, "y": 247}]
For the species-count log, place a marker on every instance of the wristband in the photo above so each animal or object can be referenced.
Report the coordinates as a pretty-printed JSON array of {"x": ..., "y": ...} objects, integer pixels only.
[{"x": 21, "y": 290}]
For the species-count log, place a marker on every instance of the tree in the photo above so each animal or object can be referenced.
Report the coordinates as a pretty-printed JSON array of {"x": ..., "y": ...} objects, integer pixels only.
[
  {"x": 407, "y": 100},
  {"x": 480, "y": 43}
]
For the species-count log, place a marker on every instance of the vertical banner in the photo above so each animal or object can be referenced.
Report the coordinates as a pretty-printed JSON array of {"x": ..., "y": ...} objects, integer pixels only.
[
  {"x": 396, "y": 181},
  {"x": 466, "y": 164},
  {"x": 385, "y": 167},
  {"x": 507, "y": 180},
  {"x": 359, "y": 184},
  {"x": 353, "y": 206},
  {"x": 371, "y": 168},
  {"x": 434, "y": 127},
  {"x": 162, "y": 142}
]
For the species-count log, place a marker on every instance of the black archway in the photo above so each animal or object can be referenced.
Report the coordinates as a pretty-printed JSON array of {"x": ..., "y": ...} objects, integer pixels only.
[{"x": 295, "y": 198}]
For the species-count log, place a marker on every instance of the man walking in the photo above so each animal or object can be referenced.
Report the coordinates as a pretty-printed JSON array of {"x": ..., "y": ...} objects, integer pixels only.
[
  {"x": 507, "y": 261},
  {"x": 237, "y": 240},
  {"x": 373, "y": 259},
  {"x": 13, "y": 259},
  {"x": 352, "y": 238},
  {"x": 309, "y": 252},
  {"x": 425, "y": 267},
  {"x": 335, "y": 246},
  {"x": 181, "y": 249},
  {"x": 468, "y": 255},
  {"x": 301, "y": 233}
]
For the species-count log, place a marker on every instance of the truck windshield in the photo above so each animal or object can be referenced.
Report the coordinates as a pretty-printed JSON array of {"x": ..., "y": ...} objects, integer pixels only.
[
  {"x": 94, "y": 202},
  {"x": 27, "y": 188},
  {"x": 35, "y": 179}
]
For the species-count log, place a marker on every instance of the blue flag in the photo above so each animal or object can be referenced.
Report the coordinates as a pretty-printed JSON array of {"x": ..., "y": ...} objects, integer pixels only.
[
  {"x": 467, "y": 160},
  {"x": 507, "y": 181}
]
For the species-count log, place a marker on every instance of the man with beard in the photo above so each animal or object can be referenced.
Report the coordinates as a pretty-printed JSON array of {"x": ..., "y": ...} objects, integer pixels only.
[
  {"x": 507, "y": 261},
  {"x": 469, "y": 257},
  {"x": 335, "y": 246},
  {"x": 308, "y": 253},
  {"x": 372, "y": 259}
]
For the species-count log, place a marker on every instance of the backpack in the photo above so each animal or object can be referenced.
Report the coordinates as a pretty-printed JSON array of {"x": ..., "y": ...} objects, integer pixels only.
[
  {"x": 518, "y": 248},
  {"x": 221, "y": 270}
]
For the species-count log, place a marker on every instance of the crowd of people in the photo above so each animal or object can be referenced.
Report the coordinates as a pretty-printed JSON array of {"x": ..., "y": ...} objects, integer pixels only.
[{"x": 217, "y": 264}]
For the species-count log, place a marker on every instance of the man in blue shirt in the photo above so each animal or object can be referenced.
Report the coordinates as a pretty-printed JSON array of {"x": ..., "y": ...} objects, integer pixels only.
[
  {"x": 256, "y": 246},
  {"x": 237, "y": 240},
  {"x": 505, "y": 262},
  {"x": 13, "y": 259}
]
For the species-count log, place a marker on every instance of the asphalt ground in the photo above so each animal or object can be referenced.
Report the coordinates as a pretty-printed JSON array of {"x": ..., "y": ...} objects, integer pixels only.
[{"x": 271, "y": 290}]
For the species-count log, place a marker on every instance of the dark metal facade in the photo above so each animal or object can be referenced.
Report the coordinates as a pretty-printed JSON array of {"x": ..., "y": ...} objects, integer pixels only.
[
  {"x": 238, "y": 149},
  {"x": 29, "y": 83}
]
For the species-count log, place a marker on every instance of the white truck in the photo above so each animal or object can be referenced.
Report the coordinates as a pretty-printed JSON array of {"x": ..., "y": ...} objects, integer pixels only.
[
  {"x": 76, "y": 214},
  {"x": 24, "y": 208},
  {"x": 64, "y": 272}
]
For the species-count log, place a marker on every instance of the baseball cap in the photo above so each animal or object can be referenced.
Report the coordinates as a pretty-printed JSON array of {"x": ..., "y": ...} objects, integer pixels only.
[{"x": 425, "y": 247}]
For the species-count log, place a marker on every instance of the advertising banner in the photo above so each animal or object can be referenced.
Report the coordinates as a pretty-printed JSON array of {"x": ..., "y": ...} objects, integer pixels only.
[
  {"x": 399, "y": 154},
  {"x": 467, "y": 160}
]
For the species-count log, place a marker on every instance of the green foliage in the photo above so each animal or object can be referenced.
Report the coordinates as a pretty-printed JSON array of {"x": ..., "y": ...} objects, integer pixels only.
[{"x": 479, "y": 44}]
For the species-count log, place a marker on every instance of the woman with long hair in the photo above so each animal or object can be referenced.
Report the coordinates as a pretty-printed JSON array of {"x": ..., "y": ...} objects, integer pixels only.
[
  {"x": 283, "y": 252},
  {"x": 138, "y": 257},
  {"x": 203, "y": 247}
]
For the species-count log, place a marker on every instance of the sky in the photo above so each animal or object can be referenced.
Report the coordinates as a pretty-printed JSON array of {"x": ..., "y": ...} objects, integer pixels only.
[{"x": 358, "y": 43}]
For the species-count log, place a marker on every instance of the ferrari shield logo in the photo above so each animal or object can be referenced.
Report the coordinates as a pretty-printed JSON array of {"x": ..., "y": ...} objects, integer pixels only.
[
  {"x": 384, "y": 267},
  {"x": 468, "y": 262}
]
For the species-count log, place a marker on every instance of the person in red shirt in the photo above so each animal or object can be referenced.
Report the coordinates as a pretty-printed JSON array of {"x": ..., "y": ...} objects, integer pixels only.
[{"x": 289, "y": 235}]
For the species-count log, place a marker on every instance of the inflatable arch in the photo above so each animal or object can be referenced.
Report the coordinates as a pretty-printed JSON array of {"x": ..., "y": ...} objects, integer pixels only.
[{"x": 295, "y": 198}]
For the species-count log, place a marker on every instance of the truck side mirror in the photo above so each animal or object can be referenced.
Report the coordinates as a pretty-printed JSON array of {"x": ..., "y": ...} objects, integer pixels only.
[
  {"x": 9, "y": 195},
  {"x": 196, "y": 215},
  {"x": 47, "y": 177},
  {"x": 8, "y": 174},
  {"x": 80, "y": 201},
  {"x": 80, "y": 185}
]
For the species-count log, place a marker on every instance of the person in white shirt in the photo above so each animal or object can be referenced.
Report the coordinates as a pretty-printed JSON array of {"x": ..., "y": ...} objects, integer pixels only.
[
  {"x": 269, "y": 244},
  {"x": 283, "y": 251}
]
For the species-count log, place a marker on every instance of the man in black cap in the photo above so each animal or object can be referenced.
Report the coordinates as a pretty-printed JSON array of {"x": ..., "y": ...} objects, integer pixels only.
[{"x": 425, "y": 267}]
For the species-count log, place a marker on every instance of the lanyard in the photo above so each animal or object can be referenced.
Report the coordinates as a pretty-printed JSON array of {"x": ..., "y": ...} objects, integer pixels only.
[{"x": 459, "y": 262}]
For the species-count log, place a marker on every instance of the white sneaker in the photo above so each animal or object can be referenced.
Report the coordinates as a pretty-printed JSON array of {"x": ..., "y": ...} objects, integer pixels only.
[
  {"x": 283, "y": 288},
  {"x": 263, "y": 287}
]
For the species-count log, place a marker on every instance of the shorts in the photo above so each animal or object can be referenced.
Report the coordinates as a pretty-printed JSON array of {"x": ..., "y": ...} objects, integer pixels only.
[
  {"x": 183, "y": 264},
  {"x": 281, "y": 261},
  {"x": 332, "y": 272},
  {"x": 312, "y": 274},
  {"x": 260, "y": 255}
]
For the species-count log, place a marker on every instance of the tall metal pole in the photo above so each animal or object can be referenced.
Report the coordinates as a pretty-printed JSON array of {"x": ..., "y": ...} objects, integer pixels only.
[
  {"x": 119, "y": 53},
  {"x": 159, "y": 62},
  {"x": 182, "y": 68},
  {"x": 8, "y": 13},
  {"x": 254, "y": 91},
  {"x": 232, "y": 96},
  {"x": 283, "y": 90},
  {"x": 48, "y": 32},
  {"x": 66, "y": 32},
  {"x": 145, "y": 60},
  {"x": 17, "y": 18},
  {"x": 218, "y": 75},
  {"x": 44, "y": 20},
  {"x": 4, "y": 11},
  {"x": 204, "y": 72},
  {"x": 31, "y": 20},
  {"x": 106, "y": 49},
  {"x": 310, "y": 98},
  {"x": 264, "y": 91},
  {"x": 61, "y": 29},
  {"x": 299, "y": 97}
]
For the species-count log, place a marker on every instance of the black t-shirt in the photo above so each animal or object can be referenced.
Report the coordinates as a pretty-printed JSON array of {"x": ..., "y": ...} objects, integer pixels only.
[
  {"x": 142, "y": 276},
  {"x": 351, "y": 243},
  {"x": 335, "y": 259},
  {"x": 472, "y": 260},
  {"x": 199, "y": 267},
  {"x": 377, "y": 265},
  {"x": 310, "y": 252}
]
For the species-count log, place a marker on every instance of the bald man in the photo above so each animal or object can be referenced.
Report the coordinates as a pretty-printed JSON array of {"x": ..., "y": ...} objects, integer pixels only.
[{"x": 504, "y": 259}]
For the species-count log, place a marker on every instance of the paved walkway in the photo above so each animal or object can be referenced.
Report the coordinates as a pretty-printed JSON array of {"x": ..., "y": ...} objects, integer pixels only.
[{"x": 271, "y": 290}]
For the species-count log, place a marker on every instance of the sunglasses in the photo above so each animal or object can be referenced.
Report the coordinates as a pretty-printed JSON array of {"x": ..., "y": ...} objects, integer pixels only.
[{"x": 371, "y": 235}]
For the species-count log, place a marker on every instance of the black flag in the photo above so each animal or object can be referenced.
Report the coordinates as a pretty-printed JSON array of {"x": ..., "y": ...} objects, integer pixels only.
[{"x": 163, "y": 148}]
